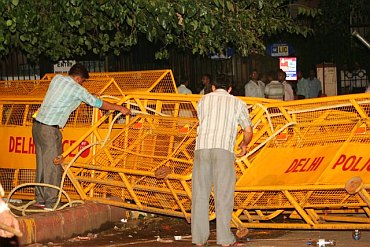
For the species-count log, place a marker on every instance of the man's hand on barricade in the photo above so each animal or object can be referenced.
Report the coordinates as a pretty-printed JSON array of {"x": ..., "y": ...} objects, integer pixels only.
[
  {"x": 243, "y": 151},
  {"x": 8, "y": 221}
]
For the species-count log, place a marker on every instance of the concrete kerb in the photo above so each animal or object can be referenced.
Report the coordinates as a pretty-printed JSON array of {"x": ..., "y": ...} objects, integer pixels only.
[{"x": 69, "y": 222}]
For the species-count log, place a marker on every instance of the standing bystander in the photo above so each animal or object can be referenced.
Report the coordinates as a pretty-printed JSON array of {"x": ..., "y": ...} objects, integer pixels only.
[
  {"x": 302, "y": 86},
  {"x": 64, "y": 95},
  {"x": 314, "y": 85},
  {"x": 219, "y": 115},
  {"x": 274, "y": 89},
  {"x": 206, "y": 82},
  {"x": 288, "y": 90},
  {"x": 255, "y": 87},
  {"x": 184, "y": 86}
]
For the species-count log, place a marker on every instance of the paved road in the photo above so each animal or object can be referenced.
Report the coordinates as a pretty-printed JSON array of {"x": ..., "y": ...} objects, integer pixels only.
[
  {"x": 289, "y": 239},
  {"x": 145, "y": 232}
]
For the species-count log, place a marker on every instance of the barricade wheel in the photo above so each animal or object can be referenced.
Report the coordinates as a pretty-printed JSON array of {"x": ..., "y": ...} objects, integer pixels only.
[
  {"x": 353, "y": 185},
  {"x": 242, "y": 232},
  {"x": 162, "y": 172}
]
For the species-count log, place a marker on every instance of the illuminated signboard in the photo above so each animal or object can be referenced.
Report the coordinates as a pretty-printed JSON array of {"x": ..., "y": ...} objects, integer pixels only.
[
  {"x": 289, "y": 66},
  {"x": 280, "y": 50}
]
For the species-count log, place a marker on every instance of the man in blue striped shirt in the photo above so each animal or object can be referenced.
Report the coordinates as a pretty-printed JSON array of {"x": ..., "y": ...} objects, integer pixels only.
[
  {"x": 64, "y": 95},
  {"x": 219, "y": 115}
]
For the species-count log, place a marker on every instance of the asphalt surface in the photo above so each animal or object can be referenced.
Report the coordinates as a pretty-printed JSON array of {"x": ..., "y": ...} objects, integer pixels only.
[{"x": 290, "y": 239}]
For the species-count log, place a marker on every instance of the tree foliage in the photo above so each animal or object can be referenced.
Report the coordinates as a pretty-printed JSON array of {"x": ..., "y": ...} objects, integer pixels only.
[{"x": 62, "y": 29}]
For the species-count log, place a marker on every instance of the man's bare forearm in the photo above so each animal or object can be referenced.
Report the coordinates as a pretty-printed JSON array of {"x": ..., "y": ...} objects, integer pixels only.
[
  {"x": 109, "y": 106},
  {"x": 248, "y": 135}
]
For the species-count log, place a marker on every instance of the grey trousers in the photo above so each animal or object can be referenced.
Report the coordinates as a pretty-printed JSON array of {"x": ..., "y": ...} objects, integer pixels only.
[
  {"x": 48, "y": 143},
  {"x": 212, "y": 166}
]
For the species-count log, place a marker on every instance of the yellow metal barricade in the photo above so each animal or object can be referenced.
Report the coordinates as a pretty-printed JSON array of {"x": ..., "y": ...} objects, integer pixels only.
[
  {"x": 308, "y": 160},
  {"x": 154, "y": 81}
]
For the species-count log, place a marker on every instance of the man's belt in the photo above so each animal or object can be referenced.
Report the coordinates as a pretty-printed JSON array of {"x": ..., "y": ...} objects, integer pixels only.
[{"x": 54, "y": 126}]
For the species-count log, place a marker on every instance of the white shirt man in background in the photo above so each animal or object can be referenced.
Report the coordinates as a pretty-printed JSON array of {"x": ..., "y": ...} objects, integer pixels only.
[
  {"x": 183, "y": 88},
  {"x": 302, "y": 86},
  {"x": 255, "y": 87}
]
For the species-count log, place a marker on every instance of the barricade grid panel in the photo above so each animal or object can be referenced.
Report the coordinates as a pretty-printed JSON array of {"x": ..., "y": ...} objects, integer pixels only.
[
  {"x": 31, "y": 112},
  {"x": 17, "y": 114},
  {"x": 333, "y": 197},
  {"x": 138, "y": 81},
  {"x": 26, "y": 176},
  {"x": 7, "y": 178},
  {"x": 10, "y": 178},
  {"x": 13, "y": 114},
  {"x": 95, "y": 87},
  {"x": 168, "y": 109},
  {"x": 187, "y": 110},
  {"x": 176, "y": 185},
  {"x": 324, "y": 134},
  {"x": 257, "y": 200},
  {"x": 102, "y": 191},
  {"x": 81, "y": 117},
  {"x": 149, "y": 182},
  {"x": 164, "y": 86},
  {"x": 160, "y": 200},
  {"x": 23, "y": 88},
  {"x": 326, "y": 197},
  {"x": 353, "y": 199},
  {"x": 70, "y": 189},
  {"x": 212, "y": 208},
  {"x": 185, "y": 202}
]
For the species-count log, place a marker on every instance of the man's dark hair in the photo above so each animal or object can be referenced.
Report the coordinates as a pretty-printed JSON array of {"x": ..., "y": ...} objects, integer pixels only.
[
  {"x": 79, "y": 70},
  {"x": 222, "y": 82},
  {"x": 184, "y": 79},
  {"x": 272, "y": 74},
  {"x": 314, "y": 71},
  {"x": 282, "y": 72},
  {"x": 207, "y": 75}
]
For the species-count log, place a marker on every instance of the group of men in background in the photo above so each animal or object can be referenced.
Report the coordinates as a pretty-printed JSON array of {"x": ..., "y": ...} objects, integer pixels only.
[
  {"x": 206, "y": 80},
  {"x": 274, "y": 86}
]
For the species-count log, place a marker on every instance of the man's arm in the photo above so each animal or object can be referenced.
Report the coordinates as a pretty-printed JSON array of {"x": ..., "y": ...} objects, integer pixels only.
[
  {"x": 248, "y": 135},
  {"x": 109, "y": 106},
  {"x": 92, "y": 100},
  {"x": 7, "y": 220},
  {"x": 320, "y": 89}
]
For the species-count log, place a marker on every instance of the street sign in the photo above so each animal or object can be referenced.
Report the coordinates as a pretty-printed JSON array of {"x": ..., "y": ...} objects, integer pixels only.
[
  {"x": 63, "y": 66},
  {"x": 279, "y": 50}
]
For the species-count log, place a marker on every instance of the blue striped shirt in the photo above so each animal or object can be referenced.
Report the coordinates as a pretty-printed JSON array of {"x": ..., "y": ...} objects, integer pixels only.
[
  {"x": 219, "y": 115},
  {"x": 64, "y": 95}
]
